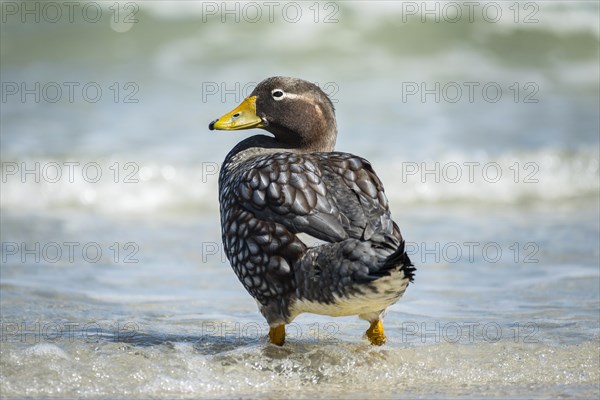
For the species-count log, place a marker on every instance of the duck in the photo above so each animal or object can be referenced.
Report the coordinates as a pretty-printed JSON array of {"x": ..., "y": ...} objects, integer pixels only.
[{"x": 276, "y": 189}]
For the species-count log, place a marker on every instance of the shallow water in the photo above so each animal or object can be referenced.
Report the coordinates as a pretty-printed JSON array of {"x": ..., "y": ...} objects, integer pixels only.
[{"x": 115, "y": 284}]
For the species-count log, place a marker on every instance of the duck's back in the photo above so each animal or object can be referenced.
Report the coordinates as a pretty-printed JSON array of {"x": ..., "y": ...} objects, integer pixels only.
[{"x": 269, "y": 196}]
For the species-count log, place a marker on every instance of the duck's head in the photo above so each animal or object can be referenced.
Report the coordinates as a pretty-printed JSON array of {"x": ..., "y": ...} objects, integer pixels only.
[{"x": 298, "y": 113}]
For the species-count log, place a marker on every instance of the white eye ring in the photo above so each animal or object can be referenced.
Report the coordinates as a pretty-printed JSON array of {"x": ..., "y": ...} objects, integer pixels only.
[{"x": 278, "y": 94}]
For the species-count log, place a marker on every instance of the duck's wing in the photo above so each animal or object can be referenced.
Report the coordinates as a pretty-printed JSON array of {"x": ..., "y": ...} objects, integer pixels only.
[
  {"x": 330, "y": 196},
  {"x": 359, "y": 196}
]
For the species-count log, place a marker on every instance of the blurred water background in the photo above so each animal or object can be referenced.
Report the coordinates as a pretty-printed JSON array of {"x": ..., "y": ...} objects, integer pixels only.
[{"x": 482, "y": 121}]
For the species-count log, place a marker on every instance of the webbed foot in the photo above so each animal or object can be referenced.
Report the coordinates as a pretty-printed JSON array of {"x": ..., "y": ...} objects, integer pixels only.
[{"x": 376, "y": 334}]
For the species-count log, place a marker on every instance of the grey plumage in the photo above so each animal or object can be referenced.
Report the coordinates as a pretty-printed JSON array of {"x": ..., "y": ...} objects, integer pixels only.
[{"x": 271, "y": 189}]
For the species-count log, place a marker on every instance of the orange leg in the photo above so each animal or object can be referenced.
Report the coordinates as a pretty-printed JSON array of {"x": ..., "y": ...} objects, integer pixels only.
[{"x": 277, "y": 335}]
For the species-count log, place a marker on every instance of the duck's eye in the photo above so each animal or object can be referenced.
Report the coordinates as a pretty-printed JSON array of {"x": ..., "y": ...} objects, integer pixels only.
[{"x": 277, "y": 94}]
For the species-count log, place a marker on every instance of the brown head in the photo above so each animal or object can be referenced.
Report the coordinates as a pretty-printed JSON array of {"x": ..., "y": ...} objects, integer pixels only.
[{"x": 298, "y": 113}]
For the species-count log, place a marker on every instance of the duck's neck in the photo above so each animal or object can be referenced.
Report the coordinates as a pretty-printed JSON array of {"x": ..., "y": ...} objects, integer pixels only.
[
  {"x": 310, "y": 141},
  {"x": 254, "y": 146},
  {"x": 315, "y": 133}
]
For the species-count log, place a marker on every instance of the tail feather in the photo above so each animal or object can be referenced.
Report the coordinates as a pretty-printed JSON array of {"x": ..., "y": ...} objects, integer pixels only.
[
  {"x": 337, "y": 268},
  {"x": 398, "y": 258}
]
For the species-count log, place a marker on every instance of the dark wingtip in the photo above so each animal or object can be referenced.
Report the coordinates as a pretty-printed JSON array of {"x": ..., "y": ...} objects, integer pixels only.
[{"x": 211, "y": 126}]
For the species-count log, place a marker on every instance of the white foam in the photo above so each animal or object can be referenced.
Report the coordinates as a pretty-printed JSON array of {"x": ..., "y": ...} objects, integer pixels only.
[
  {"x": 46, "y": 350},
  {"x": 562, "y": 16},
  {"x": 309, "y": 370},
  {"x": 544, "y": 175}
]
